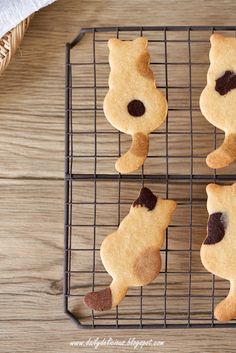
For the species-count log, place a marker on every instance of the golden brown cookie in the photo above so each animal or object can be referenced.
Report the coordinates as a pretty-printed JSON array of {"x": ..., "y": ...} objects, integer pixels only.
[
  {"x": 219, "y": 248},
  {"x": 133, "y": 104},
  {"x": 218, "y": 99},
  {"x": 131, "y": 255}
]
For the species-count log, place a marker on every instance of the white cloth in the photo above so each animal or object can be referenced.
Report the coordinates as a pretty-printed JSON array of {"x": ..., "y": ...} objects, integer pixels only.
[{"x": 13, "y": 12}]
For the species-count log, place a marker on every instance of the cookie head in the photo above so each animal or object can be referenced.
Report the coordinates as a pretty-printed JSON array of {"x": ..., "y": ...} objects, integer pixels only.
[
  {"x": 221, "y": 198},
  {"x": 155, "y": 209},
  {"x": 218, "y": 99},
  {"x": 132, "y": 49}
]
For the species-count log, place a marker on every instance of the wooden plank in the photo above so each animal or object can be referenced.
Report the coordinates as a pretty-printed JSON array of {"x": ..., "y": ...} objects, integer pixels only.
[
  {"x": 32, "y": 107},
  {"x": 31, "y": 275},
  {"x": 56, "y": 336}
]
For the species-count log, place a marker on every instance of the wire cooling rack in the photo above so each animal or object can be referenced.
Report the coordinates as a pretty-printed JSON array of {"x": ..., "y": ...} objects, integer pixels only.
[{"x": 97, "y": 197}]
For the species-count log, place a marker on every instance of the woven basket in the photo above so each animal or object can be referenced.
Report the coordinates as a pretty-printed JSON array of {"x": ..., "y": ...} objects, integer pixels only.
[{"x": 11, "y": 41}]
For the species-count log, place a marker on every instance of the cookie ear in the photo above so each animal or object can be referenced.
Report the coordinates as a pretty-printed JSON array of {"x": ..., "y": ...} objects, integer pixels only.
[
  {"x": 212, "y": 188},
  {"x": 217, "y": 39},
  {"x": 114, "y": 43},
  {"x": 171, "y": 205},
  {"x": 234, "y": 188},
  {"x": 141, "y": 42}
]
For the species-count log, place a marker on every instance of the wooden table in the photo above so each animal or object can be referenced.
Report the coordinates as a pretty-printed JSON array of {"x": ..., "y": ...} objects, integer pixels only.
[{"x": 31, "y": 177}]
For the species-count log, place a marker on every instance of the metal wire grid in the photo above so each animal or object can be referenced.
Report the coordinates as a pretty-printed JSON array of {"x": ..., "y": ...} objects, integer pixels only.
[{"x": 167, "y": 179}]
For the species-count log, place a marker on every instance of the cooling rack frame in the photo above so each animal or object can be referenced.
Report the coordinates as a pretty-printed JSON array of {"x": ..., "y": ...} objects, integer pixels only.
[{"x": 71, "y": 177}]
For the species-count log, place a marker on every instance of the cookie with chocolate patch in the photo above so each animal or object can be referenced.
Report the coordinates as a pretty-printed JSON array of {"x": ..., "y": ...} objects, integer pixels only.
[
  {"x": 219, "y": 248},
  {"x": 218, "y": 99},
  {"x": 133, "y": 104},
  {"x": 131, "y": 255}
]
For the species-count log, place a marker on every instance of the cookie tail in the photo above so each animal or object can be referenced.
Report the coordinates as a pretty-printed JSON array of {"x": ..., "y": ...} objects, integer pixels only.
[
  {"x": 107, "y": 298},
  {"x": 224, "y": 155},
  {"x": 135, "y": 156},
  {"x": 226, "y": 309}
]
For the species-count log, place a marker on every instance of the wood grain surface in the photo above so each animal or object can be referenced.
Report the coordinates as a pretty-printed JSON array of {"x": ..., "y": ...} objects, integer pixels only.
[{"x": 32, "y": 168}]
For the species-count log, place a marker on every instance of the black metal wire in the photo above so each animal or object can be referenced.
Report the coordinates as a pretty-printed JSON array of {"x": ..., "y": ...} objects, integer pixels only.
[
  {"x": 142, "y": 184},
  {"x": 163, "y": 318},
  {"x": 95, "y": 167},
  {"x": 213, "y": 276},
  {"x": 119, "y": 194},
  {"x": 167, "y": 182},
  {"x": 191, "y": 182},
  {"x": 66, "y": 206}
]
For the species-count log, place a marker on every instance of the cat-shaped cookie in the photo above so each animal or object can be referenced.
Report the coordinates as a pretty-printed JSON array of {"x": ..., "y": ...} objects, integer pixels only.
[
  {"x": 218, "y": 251},
  {"x": 218, "y": 99},
  {"x": 131, "y": 255},
  {"x": 133, "y": 104}
]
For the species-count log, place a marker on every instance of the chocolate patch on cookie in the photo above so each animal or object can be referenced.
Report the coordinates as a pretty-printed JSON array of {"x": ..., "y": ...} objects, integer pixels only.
[
  {"x": 147, "y": 265},
  {"x": 146, "y": 198},
  {"x": 101, "y": 300},
  {"x": 139, "y": 145},
  {"x": 225, "y": 83},
  {"x": 215, "y": 228},
  {"x": 136, "y": 108}
]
